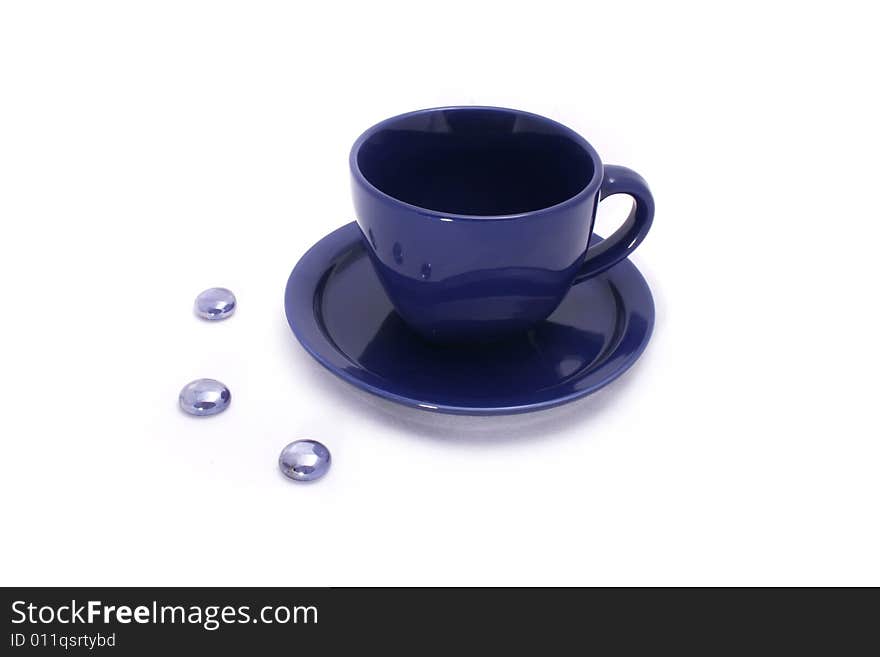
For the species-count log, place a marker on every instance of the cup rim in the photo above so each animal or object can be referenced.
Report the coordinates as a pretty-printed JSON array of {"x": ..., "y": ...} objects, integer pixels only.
[{"x": 588, "y": 191}]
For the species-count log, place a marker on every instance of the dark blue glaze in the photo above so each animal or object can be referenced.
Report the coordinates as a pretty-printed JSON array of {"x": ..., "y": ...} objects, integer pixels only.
[
  {"x": 340, "y": 313},
  {"x": 477, "y": 219}
]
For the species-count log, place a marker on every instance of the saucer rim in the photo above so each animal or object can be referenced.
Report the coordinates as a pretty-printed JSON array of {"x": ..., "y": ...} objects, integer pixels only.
[{"x": 299, "y": 302}]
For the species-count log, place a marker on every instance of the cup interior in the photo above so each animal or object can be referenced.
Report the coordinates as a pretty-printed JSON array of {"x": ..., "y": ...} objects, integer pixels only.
[{"x": 480, "y": 162}]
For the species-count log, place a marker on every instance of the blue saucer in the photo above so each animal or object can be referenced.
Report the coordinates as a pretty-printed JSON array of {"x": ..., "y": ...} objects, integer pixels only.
[{"x": 341, "y": 315}]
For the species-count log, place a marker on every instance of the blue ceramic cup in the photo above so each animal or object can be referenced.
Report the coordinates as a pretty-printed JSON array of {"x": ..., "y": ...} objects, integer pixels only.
[{"x": 478, "y": 219}]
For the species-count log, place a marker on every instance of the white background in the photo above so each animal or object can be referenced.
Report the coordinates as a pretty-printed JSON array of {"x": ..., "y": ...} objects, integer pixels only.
[{"x": 150, "y": 150}]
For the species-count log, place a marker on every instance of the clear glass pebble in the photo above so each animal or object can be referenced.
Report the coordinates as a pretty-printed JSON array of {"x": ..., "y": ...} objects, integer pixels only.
[
  {"x": 304, "y": 460},
  {"x": 204, "y": 397},
  {"x": 215, "y": 303}
]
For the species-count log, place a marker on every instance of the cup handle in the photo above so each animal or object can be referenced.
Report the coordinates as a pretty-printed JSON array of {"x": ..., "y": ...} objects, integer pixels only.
[{"x": 613, "y": 249}]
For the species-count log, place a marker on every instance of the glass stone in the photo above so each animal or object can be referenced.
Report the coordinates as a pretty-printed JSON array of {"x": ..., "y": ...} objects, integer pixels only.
[
  {"x": 215, "y": 303},
  {"x": 304, "y": 460},
  {"x": 204, "y": 397}
]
